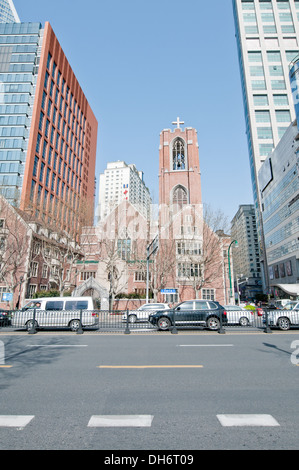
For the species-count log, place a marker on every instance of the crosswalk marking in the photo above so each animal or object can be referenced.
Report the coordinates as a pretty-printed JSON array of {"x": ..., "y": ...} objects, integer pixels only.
[
  {"x": 247, "y": 420},
  {"x": 120, "y": 421},
  {"x": 110, "y": 421},
  {"x": 14, "y": 421}
]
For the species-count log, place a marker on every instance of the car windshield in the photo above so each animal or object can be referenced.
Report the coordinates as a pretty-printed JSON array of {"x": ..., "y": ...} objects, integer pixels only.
[
  {"x": 32, "y": 304},
  {"x": 290, "y": 306},
  {"x": 151, "y": 306}
]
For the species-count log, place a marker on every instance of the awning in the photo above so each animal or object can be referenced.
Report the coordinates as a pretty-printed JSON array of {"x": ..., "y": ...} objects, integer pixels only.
[{"x": 291, "y": 289}]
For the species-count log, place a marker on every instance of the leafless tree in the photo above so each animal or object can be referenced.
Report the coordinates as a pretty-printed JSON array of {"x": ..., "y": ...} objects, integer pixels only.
[{"x": 15, "y": 244}]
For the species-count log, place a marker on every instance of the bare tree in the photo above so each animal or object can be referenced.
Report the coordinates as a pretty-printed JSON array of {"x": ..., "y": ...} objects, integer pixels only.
[
  {"x": 60, "y": 254},
  {"x": 15, "y": 243}
]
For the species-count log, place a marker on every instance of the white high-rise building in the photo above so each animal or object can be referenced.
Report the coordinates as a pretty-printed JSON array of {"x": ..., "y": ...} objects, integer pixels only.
[
  {"x": 8, "y": 13},
  {"x": 121, "y": 182},
  {"x": 267, "y": 33}
]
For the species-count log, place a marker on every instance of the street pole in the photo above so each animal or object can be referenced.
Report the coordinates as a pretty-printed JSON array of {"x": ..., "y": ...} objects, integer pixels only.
[
  {"x": 150, "y": 250},
  {"x": 147, "y": 272},
  {"x": 229, "y": 268}
]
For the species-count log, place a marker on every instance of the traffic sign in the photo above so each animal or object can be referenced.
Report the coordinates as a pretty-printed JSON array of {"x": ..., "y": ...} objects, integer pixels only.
[{"x": 6, "y": 296}]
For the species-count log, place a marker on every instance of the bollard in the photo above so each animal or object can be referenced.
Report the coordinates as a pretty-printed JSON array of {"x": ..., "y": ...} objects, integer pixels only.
[
  {"x": 80, "y": 329},
  {"x": 267, "y": 328},
  {"x": 221, "y": 330},
  {"x": 127, "y": 329},
  {"x": 32, "y": 329},
  {"x": 173, "y": 329}
]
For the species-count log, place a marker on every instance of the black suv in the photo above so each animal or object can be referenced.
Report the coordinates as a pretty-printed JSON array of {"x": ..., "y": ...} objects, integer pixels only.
[{"x": 205, "y": 313}]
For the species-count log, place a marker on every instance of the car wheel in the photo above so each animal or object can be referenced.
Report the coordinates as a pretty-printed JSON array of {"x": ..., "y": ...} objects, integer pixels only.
[
  {"x": 29, "y": 325},
  {"x": 284, "y": 323},
  {"x": 164, "y": 323},
  {"x": 75, "y": 325},
  {"x": 244, "y": 321},
  {"x": 213, "y": 323},
  {"x": 132, "y": 318}
]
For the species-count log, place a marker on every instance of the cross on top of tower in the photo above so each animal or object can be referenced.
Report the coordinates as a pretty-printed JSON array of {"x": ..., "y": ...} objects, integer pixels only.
[{"x": 178, "y": 122}]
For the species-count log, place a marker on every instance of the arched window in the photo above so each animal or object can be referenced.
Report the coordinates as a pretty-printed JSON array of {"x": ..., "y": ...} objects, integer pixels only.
[
  {"x": 180, "y": 197},
  {"x": 178, "y": 155}
]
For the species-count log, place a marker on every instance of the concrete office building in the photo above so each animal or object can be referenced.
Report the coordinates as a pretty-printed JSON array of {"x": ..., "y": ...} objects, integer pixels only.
[
  {"x": 8, "y": 13},
  {"x": 121, "y": 182},
  {"x": 48, "y": 132},
  {"x": 247, "y": 270}
]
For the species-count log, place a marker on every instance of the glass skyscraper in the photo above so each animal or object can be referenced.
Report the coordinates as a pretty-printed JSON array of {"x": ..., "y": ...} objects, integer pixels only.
[
  {"x": 267, "y": 33},
  {"x": 19, "y": 58},
  {"x": 8, "y": 13}
]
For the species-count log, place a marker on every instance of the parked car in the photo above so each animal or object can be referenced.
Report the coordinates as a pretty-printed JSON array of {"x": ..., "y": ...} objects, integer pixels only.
[
  {"x": 283, "y": 319},
  {"x": 281, "y": 304},
  {"x": 238, "y": 315},
  {"x": 143, "y": 312},
  {"x": 291, "y": 305},
  {"x": 57, "y": 312},
  {"x": 4, "y": 317},
  {"x": 191, "y": 313}
]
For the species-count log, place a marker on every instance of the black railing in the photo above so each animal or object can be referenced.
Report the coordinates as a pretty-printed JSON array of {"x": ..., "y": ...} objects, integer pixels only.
[{"x": 128, "y": 321}]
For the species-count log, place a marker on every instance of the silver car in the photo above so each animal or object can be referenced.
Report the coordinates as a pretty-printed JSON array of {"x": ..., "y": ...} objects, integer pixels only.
[
  {"x": 143, "y": 312},
  {"x": 283, "y": 319},
  {"x": 237, "y": 315}
]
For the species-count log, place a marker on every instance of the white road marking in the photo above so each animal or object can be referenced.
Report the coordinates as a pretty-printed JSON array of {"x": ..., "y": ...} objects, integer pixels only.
[
  {"x": 15, "y": 421},
  {"x": 120, "y": 421},
  {"x": 57, "y": 345},
  {"x": 204, "y": 345},
  {"x": 247, "y": 420}
]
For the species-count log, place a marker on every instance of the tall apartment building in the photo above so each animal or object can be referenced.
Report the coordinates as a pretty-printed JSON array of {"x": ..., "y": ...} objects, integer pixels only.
[
  {"x": 48, "y": 132},
  {"x": 247, "y": 269},
  {"x": 8, "y": 13},
  {"x": 122, "y": 182}
]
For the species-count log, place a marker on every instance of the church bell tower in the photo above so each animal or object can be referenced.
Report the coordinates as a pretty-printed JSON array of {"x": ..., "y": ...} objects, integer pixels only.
[{"x": 179, "y": 170}]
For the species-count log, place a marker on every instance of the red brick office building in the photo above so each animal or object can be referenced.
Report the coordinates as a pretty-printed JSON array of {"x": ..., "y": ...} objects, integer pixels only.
[{"x": 59, "y": 177}]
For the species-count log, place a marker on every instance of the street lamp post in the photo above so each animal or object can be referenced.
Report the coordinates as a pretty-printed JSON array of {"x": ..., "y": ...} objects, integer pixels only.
[
  {"x": 151, "y": 249},
  {"x": 229, "y": 268}
]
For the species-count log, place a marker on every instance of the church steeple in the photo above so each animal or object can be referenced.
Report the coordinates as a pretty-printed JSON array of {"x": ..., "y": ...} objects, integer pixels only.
[{"x": 179, "y": 170}]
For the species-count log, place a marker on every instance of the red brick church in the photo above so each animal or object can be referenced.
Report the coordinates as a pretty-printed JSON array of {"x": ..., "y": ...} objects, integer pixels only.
[{"x": 191, "y": 260}]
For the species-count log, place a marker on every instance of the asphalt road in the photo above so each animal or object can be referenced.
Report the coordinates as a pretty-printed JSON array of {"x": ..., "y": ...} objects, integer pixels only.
[{"x": 149, "y": 391}]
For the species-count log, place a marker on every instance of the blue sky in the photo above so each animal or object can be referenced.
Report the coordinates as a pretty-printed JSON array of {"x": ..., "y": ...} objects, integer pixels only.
[{"x": 143, "y": 63}]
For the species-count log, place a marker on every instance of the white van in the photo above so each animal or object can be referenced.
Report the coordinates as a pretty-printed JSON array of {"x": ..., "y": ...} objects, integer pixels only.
[{"x": 57, "y": 312}]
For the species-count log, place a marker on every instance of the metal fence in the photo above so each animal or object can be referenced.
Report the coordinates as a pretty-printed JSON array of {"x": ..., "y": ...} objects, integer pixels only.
[{"x": 128, "y": 321}]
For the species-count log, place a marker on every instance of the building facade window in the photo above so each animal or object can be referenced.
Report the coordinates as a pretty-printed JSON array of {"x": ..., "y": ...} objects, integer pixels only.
[
  {"x": 208, "y": 294},
  {"x": 178, "y": 155},
  {"x": 180, "y": 197}
]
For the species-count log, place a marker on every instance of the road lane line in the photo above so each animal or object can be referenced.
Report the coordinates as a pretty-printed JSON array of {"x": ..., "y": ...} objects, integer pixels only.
[
  {"x": 15, "y": 421},
  {"x": 247, "y": 420},
  {"x": 152, "y": 367},
  {"x": 204, "y": 345},
  {"x": 57, "y": 345},
  {"x": 108, "y": 421}
]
